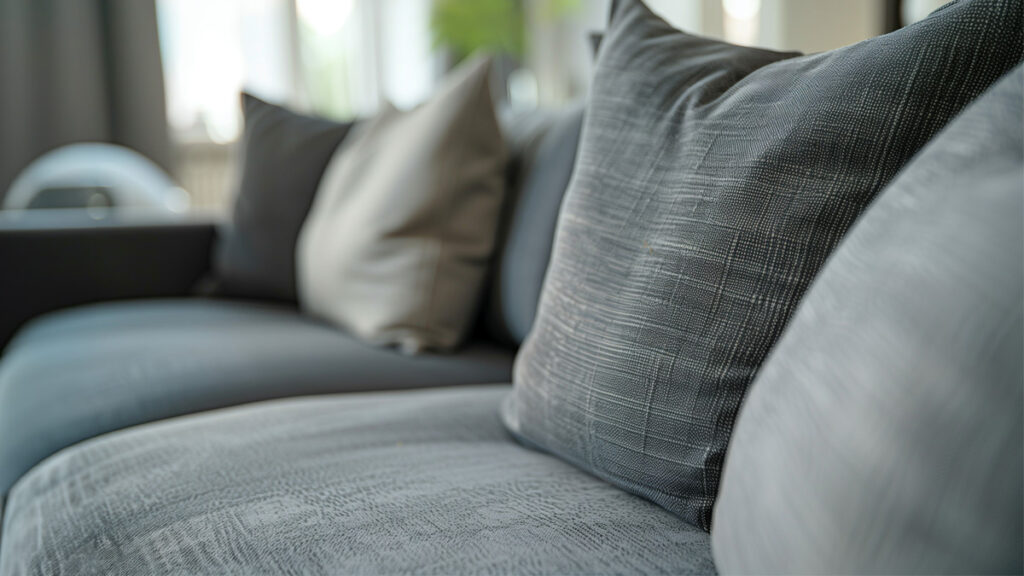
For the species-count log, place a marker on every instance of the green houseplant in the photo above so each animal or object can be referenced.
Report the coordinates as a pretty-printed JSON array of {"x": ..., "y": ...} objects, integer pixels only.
[{"x": 464, "y": 26}]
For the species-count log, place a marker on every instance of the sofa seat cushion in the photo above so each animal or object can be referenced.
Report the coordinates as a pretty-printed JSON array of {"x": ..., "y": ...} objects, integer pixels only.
[
  {"x": 422, "y": 481},
  {"x": 79, "y": 373}
]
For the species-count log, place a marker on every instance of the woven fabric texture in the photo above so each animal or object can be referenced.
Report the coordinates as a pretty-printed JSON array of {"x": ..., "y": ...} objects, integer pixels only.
[
  {"x": 79, "y": 373},
  {"x": 385, "y": 483},
  {"x": 883, "y": 435},
  {"x": 711, "y": 184}
]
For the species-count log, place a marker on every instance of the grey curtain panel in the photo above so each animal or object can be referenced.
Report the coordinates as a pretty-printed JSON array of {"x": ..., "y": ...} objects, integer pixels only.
[{"x": 79, "y": 70}]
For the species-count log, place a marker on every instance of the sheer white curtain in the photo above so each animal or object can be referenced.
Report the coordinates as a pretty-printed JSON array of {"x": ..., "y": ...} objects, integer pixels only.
[
  {"x": 336, "y": 57},
  {"x": 211, "y": 50}
]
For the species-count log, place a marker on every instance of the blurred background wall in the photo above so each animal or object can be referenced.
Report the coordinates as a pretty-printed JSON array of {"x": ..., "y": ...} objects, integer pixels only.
[{"x": 163, "y": 76}]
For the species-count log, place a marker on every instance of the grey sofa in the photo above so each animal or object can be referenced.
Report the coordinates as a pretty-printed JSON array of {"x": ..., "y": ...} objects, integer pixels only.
[
  {"x": 212, "y": 480},
  {"x": 120, "y": 340}
]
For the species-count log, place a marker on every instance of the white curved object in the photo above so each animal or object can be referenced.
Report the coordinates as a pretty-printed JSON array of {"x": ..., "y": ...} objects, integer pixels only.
[{"x": 131, "y": 179}]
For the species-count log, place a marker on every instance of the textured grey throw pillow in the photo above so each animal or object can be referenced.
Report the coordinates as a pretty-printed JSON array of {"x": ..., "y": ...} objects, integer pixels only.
[
  {"x": 884, "y": 434},
  {"x": 711, "y": 183},
  {"x": 283, "y": 156},
  {"x": 397, "y": 244}
]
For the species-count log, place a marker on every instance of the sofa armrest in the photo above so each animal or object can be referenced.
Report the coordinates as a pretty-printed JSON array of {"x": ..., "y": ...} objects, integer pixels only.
[{"x": 45, "y": 265}]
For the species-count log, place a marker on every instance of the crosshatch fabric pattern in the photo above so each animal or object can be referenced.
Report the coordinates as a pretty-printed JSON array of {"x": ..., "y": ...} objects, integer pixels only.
[
  {"x": 416, "y": 482},
  {"x": 711, "y": 184},
  {"x": 892, "y": 405}
]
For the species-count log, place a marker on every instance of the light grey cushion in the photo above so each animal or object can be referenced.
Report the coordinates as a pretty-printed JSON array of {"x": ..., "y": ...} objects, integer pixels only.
[
  {"x": 77, "y": 374},
  {"x": 424, "y": 482},
  {"x": 884, "y": 434},
  {"x": 712, "y": 181},
  {"x": 543, "y": 146},
  {"x": 398, "y": 242}
]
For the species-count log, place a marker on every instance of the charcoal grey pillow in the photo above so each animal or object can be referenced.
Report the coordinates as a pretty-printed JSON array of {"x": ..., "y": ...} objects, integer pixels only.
[
  {"x": 398, "y": 242},
  {"x": 283, "y": 155},
  {"x": 883, "y": 434},
  {"x": 712, "y": 181}
]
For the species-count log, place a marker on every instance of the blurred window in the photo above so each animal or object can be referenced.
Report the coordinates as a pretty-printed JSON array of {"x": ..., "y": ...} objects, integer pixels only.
[
  {"x": 336, "y": 58},
  {"x": 211, "y": 50},
  {"x": 342, "y": 58},
  {"x": 741, "y": 22}
]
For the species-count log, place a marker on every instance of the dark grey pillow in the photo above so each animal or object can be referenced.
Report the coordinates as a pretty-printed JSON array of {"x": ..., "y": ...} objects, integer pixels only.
[
  {"x": 283, "y": 156},
  {"x": 884, "y": 432},
  {"x": 712, "y": 181}
]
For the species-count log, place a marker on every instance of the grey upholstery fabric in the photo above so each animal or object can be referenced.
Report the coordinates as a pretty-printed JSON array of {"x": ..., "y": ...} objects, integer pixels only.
[
  {"x": 283, "y": 157},
  {"x": 76, "y": 374},
  {"x": 397, "y": 245},
  {"x": 543, "y": 150},
  {"x": 424, "y": 482},
  {"x": 884, "y": 432},
  {"x": 712, "y": 182}
]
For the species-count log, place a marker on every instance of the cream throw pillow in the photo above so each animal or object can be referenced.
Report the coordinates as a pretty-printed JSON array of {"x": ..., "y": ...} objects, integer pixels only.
[{"x": 396, "y": 246}]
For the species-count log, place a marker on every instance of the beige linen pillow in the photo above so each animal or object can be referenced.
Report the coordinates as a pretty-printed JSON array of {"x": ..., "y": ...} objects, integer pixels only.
[{"x": 396, "y": 246}]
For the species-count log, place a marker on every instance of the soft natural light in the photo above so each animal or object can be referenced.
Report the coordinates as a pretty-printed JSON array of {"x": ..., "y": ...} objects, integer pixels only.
[
  {"x": 211, "y": 51},
  {"x": 325, "y": 17},
  {"x": 742, "y": 23},
  {"x": 742, "y": 9}
]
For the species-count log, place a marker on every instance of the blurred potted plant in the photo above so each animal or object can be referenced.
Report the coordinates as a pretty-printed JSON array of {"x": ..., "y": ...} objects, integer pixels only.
[
  {"x": 461, "y": 27},
  {"x": 465, "y": 26}
]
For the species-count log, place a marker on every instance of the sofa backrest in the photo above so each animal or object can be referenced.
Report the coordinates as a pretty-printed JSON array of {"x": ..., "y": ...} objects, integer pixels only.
[{"x": 542, "y": 151}]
